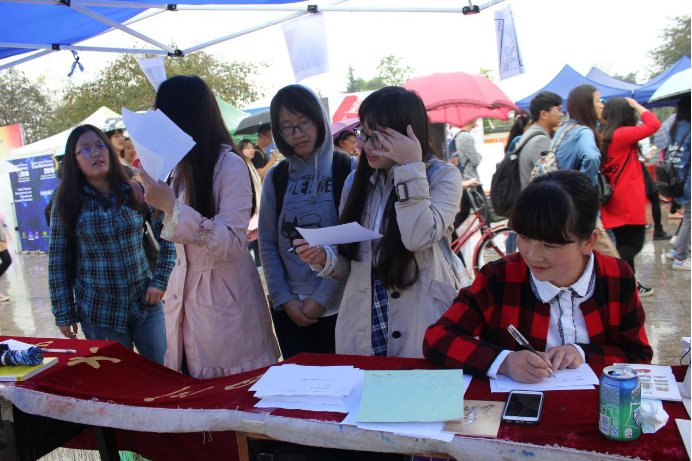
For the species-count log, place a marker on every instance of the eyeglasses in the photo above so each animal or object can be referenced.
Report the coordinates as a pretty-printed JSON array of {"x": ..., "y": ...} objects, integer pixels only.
[
  {"x": 364, "y": 137},
  {"x": 290, "y": 130},
  {"x": 555, "y": 110},
  {"x": 88, "y": 152},
  {"x": 602, "y": 101}
]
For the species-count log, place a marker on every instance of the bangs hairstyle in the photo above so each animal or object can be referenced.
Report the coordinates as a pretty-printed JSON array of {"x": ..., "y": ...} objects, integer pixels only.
[
  {"x": 616, "y": 113},
  {"x": 70, "y": 194},
  {"x": 190, "y": 104},
  {"x": 297, "y": 100},
  {"x": 580, "y": 107},
  {"x": 396, "y": 108},
  {"x": 558, "y": 207}
]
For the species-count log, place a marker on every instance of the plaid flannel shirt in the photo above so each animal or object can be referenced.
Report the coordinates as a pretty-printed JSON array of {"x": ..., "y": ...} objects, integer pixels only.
[
  {"x": 472, "y": 333},
  {"x": 111, "y": 273}
]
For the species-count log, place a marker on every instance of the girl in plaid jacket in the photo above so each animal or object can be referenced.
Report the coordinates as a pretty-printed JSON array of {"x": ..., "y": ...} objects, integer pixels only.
[{"x": 574, "y": 304}]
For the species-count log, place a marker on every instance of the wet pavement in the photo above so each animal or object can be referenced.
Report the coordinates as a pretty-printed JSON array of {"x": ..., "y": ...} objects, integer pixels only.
[{"x": 28, "y": 312}]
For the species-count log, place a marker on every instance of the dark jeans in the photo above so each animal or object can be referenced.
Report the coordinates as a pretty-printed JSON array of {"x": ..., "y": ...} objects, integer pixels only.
[
  {"x": 629, "y": 240},
  {"x": 318, "y": 337},
  {"x": 5, "y": 261}
]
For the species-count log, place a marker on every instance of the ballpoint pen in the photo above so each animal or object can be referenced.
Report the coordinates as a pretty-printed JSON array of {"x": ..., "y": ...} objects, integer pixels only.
[
  {"x": 523, "y": 342},
  {"x": 61, "y": 351}
]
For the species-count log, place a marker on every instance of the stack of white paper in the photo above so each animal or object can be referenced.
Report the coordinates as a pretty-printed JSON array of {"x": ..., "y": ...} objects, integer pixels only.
[
  {"x": 298, "y": 387},
  {"x": 159, "y": 142},
  {"x": 658, "y": 381},
  {"x": 428, "y": 430},
  {"x": 567, "y": 379}
]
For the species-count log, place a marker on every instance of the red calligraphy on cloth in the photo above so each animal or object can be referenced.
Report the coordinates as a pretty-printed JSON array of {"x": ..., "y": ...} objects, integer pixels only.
[{"x": 157, "y": 410}]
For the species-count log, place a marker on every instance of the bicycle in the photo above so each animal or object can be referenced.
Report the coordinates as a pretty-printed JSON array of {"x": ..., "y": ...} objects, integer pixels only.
[{"x": 493, "y": 239}]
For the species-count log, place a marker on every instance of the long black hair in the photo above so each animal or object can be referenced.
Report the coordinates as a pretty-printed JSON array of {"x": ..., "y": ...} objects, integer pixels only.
[
  {"x": 296, "y": 99},
  {"x": 189, "y": 102},
  {"x": 520, "y": 122},
  {"x": 396, "y": 108},
  {"x": 70, "y": 194},
  {"x": 616, "y": 114},
  {"x": 558, "y": 207}
]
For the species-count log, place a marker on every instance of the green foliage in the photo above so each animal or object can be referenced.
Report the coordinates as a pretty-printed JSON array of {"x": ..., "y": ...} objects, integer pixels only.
[
  {"x": 390, "y": 72},
  {"x": 487, "y": 73},
  {"x": 24, "y": 102},
  {"x": 631, "y": 77},
  {"x": 676, "y": 44},
  {"x": 123, "y": 84}
]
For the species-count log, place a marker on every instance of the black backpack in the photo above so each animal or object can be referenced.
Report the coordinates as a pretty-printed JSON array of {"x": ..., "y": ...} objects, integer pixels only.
[
  {"x": 341, "y": 168},
  {"x": 668, "y": 183},
  {"x": 506, "y": 185}
]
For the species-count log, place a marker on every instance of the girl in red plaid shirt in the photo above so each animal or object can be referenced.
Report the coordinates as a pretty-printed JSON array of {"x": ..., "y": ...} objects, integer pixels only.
[{"x": 572, "y": 304}]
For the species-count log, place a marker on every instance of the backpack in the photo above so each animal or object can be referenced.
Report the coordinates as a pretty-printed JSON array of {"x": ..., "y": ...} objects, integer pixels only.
[
  {"x": 505, "y": 184},
  {"x": 668, "y": 183},
  {"x": 548, "y": 160},
  {"x": 341, "y": 168}
]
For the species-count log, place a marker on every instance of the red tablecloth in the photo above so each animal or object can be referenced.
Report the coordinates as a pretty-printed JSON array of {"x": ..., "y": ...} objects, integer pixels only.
[{"x": 102, "y": 373}]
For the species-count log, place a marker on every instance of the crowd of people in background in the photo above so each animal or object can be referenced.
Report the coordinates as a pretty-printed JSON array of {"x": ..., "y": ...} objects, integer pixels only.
[{"x": 201, "y": 309}]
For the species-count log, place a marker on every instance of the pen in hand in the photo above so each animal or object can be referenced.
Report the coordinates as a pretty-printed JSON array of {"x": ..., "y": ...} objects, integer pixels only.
[{"x": 523, "y": 342}]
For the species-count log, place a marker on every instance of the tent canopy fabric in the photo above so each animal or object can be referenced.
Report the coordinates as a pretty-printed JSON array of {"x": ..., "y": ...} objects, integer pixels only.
[
  {"x": 566, "y": 80},
  {"x": 55, "y": 145},
  {"x": 597, "y": 75},
  {"x": 674, "y": 87},
  {"x": 41, "y": 24},
  {"x": 644, "y": 94}
]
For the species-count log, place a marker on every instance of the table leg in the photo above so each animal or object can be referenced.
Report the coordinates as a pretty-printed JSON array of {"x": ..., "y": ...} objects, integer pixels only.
[
  {"x": 243, "y": 450},
  {"x": 108, "y": 448}
]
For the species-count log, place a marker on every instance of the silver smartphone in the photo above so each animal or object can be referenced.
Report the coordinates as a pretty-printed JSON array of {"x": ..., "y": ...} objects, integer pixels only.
[{"x": 523, "y": 407}]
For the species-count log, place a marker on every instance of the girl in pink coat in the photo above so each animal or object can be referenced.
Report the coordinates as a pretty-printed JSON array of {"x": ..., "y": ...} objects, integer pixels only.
[{"x": 217, "y": 320}]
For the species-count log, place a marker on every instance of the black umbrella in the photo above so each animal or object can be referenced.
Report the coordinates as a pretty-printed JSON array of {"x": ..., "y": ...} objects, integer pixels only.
[{"x": 251, "y": 124}]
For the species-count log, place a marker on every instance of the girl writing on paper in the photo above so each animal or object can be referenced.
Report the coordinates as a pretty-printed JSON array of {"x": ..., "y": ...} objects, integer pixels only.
[
  {"x": 98, "y": 271},
  {"x": 217, "y": 322},
  {"x": 302, "y": 191},
  {"x": 400, "y": 284},
  {"x": 571, "y": 303}
]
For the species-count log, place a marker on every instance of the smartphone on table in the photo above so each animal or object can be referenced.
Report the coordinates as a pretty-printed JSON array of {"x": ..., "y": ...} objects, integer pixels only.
[{"x": 523, "y": 407}]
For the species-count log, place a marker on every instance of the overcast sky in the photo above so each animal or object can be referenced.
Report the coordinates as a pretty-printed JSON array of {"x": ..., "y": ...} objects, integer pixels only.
[{"x": 614, "y": 35}]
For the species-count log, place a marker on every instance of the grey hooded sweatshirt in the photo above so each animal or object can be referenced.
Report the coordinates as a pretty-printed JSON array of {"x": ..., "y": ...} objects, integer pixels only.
[{"x": 308, "y": 203}]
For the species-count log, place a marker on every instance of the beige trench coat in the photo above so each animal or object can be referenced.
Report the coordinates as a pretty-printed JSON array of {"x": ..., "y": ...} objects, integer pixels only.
[
  {"x": 424, "y": 219},
  {"x": 215, "y": 305}
]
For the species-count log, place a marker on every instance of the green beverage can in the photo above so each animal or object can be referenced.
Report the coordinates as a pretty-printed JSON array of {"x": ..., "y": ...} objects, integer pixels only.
[{"x": 620, "y": 395}]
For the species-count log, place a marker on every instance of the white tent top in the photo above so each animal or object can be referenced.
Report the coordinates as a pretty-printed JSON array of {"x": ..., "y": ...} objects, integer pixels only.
[{"x": 55, "y": 145}]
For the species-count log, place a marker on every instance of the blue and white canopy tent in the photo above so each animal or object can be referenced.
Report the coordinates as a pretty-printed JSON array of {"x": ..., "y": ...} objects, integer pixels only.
[
  {"x": 644, "y": 94},
  {"x": 597, "y": 75},
  {"x": 569, "y": 78},
  {"x": 41, "y": 27}
]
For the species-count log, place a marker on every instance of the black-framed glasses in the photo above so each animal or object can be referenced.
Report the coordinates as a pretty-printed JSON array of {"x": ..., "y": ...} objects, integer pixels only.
[
  {"x": 88, "y": 152},
  {"x": 290, "y": 130},
  {"x": 364, "y": 137}
]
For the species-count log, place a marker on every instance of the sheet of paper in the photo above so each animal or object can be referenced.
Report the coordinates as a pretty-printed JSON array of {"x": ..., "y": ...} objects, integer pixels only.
[
  {"x": 685, "y": 400},
  {"x": 684, "y": 428},
  {"x": 399, "y": 396},
  {"x": 154, "y": 70},
  {"x": 424, "y": 430},
  {"x": 658, "y": 381},
  {"x": 160, "y": 144},
  {"x": 334, "y": 235},
  {"x": 16, "y": 345},
  {"x": 567, "y": 379},
  {"x": 481, "y": 419},
  {"x": 296, "y": 380}
]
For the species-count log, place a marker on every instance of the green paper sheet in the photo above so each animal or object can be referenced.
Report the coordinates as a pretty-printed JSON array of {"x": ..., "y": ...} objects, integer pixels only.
[{"x": 412, "y": 396}]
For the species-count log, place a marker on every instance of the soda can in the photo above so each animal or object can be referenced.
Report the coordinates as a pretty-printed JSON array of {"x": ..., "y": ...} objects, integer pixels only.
[{"x": 620, "y": 395}]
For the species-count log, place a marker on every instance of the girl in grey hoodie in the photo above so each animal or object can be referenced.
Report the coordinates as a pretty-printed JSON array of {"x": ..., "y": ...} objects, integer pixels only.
[{"x": 304, "y": 306}]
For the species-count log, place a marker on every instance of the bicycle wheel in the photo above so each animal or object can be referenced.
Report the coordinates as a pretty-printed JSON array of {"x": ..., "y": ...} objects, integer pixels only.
[{"x": 491, "y": 248}]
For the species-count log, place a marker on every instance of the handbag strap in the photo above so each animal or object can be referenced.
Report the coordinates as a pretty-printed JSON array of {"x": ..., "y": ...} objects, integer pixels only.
[
  {"x": 556, "y": 144},
  {"x": 617, "y": 178}
]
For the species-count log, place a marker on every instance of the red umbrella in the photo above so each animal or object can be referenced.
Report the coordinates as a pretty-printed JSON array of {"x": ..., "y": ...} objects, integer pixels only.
[{"x": 457, "y": 98}]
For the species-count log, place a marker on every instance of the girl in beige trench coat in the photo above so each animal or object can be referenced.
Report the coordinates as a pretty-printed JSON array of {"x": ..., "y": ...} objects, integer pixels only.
[
  {"x": 402, "y": 283},
  {"x": 217, "y": 320}
]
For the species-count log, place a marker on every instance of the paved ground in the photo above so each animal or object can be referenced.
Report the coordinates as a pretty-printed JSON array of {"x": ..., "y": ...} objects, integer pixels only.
[{"x": 668, "y": 312}]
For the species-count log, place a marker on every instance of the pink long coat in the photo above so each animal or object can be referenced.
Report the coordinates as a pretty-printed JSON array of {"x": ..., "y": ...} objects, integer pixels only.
[{"x": 215, "y": 305}]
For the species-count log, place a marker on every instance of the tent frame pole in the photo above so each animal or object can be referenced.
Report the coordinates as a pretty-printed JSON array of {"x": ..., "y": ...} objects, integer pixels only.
[
  {"x": 116, "y": 25},
  {"x": 264, "y": 25}
]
